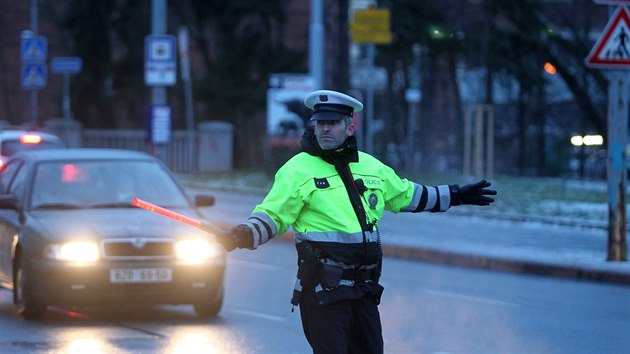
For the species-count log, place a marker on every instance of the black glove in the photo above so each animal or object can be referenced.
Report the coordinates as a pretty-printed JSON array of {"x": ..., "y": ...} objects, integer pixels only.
[
  {"x": 474, "y": 194},
  {"x": 240, "y": 236}
]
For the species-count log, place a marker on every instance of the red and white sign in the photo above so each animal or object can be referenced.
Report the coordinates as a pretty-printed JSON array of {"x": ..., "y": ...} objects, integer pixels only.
[
  {"x": 612, "y": 49},
  {"x": 612, "y": 2}
]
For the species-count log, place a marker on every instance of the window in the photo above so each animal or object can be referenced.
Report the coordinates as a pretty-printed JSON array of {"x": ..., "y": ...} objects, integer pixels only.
[
  {"x": 7, "y": 175},
  {"x": 18, "y": 184}
]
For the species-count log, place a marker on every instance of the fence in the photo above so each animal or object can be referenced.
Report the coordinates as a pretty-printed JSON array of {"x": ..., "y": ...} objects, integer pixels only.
[{"x": 181, "y": 155}]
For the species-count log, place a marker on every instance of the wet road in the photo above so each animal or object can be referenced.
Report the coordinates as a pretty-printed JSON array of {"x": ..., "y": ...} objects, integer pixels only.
[{"x": 426, "y": 309}]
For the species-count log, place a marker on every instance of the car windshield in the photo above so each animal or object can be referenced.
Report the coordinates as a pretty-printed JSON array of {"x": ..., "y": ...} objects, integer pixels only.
[
  {"x": 10, "y": 147},
  {"x": 103, "y": 184}
]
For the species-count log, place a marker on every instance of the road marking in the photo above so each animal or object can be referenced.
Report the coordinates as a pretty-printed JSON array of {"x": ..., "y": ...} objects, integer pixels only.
[
  {"x": 264, "y": 316},
  {"x": 471, "y": 298}
]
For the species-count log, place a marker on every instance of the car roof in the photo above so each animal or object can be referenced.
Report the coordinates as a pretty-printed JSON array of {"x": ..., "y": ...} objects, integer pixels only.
[
  {"x": 15, "y": 134},
  {"x": 82, "y": 154}
]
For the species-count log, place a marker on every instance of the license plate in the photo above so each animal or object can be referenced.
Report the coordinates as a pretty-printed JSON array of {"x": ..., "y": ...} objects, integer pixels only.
[{"x": 141, "y": 275}]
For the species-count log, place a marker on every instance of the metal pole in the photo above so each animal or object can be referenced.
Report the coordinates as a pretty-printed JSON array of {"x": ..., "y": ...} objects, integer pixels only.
[
  {"x": 617, "y": 136},
  {"x": 158, "y": 26},
  {"x": 34, "y": 16},
  {"x": 66, "y": 97},
  {"x": 316, "y": 44},
  {"x": 188, "y": 99},
  {"x": 413, "y": 97},
  {"x": 34, "y": 104},
  {"x": 185, "y": 72},
  {"x": 468, "y": 140},
  {"x": 489, "y": 142},
  {"x": 158, "y": 93},
  {"x": 411, "y": 130},
  {"x": 369, "y": 111},
  {"x": 478, "y": 142}
]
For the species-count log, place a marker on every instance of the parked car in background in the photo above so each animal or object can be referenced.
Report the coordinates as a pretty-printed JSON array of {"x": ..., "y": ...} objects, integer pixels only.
[
  {"x": 70, "y": 236},
  {"x": 12, "y": 141}
]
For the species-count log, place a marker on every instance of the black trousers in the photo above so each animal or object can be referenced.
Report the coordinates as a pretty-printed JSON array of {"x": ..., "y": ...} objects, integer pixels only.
[{"x": 347, "y": 326}]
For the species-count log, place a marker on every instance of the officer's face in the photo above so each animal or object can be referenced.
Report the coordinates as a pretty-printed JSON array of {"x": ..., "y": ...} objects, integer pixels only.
[{"x": 332, "y": 133}]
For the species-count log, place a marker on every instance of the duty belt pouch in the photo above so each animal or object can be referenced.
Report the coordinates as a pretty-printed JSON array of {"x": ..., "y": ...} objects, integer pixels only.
[
  {"x": 378, "y": 292},
  {"x": 309, "y": 265},
  {"x": 308, "y": 273},
  {"x": 330, "y": 276}
]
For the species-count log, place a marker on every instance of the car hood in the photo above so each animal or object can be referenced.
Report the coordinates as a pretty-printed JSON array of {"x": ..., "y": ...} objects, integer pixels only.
[{"x": 111, "y": 223}]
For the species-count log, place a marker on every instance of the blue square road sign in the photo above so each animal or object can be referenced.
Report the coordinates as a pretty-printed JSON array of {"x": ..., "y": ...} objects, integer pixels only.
[
  {"x": 34, "y": 49},
  {"x": 34, "y": 76},
  {"x": 66, "y": 65}
]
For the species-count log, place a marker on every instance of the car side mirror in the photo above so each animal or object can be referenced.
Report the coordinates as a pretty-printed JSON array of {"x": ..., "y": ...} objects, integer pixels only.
[
  {"x": 204, "y": 200},
  {"x": 9, "y": 201}
]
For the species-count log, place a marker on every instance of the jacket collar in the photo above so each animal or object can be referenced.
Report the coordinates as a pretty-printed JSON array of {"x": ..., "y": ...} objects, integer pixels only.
[{"x": 343, "y": 155}]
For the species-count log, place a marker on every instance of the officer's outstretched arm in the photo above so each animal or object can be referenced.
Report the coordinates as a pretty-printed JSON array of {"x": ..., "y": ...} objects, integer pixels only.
[
  {"x": 240, "y": 236},
  {"x": 474, "y": 194}
]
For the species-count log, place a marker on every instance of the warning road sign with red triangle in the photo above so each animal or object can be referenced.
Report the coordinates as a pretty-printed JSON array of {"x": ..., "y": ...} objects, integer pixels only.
[{"x": 612, "y": 49}]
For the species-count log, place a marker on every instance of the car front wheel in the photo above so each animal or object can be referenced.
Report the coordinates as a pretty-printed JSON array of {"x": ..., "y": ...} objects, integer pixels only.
[
  {"x": 27, "y": 305},
  {"x": 210, "y": 306}
]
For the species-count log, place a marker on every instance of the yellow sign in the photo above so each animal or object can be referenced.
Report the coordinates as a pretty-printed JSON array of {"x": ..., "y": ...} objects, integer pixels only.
[
  {"x": 371, "y": 26},
  {"x": 372, "y": 37},
  {"x": 372, "y": 15}
]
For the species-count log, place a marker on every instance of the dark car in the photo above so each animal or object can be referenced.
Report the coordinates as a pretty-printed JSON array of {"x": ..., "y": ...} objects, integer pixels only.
[
  {"x": 12, "y": 141},
  {"x": 70, "y": 236}
]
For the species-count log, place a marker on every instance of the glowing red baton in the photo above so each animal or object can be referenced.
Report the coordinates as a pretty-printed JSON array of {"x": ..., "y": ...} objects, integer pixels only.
[{"x": 175, "y": 216}]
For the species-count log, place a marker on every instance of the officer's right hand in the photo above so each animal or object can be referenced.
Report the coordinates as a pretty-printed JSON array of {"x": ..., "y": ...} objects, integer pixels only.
[
  {"x": 240, "y": 236},
  {"x": 473, "y": 194}
]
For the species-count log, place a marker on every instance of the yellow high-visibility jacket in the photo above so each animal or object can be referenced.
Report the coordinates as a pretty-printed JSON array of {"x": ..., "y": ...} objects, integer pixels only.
[{"x": 309, "y": 195}]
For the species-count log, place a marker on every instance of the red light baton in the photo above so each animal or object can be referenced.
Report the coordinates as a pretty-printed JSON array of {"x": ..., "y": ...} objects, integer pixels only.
[{"x": 175, "y": 216}]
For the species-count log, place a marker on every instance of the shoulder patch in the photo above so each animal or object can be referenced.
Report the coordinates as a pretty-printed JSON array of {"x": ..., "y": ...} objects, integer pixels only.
[
  {"x": 373, "y": 200},
  {"x": 321, "y": 183}
]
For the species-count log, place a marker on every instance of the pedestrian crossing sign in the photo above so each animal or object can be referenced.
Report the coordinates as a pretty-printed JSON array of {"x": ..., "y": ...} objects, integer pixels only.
[
  {"x": 34, "y": 49},
  {"x": 34, "y": 76},
  {"x": 612, "y": 49}
]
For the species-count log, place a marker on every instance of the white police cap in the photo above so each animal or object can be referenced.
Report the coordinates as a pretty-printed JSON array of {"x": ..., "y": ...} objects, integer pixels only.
[{"x": 331, "y": 105}]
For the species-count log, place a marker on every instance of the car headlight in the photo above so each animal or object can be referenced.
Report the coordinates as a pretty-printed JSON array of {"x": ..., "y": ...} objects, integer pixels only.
[
  {"x": 195, "y": 250},
  {"x": 74, "y": 251}
]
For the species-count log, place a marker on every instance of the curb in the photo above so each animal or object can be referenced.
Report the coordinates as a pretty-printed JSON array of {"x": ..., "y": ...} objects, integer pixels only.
[
  {"x": 498, "y": 264},
  {"x": 505, "y": 265}
]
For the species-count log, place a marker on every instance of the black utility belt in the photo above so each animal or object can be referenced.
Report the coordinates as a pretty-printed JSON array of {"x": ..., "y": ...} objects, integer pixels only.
[
  {"x": 360, "y": 274},
  {"x": 331, "y": 276}
]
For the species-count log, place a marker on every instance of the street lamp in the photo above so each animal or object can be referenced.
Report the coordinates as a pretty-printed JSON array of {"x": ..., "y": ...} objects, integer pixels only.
[
  {"x": 550, "y": 68},
  {"x": 588, "y": 140},
  {"x": 581, "y": 141}
]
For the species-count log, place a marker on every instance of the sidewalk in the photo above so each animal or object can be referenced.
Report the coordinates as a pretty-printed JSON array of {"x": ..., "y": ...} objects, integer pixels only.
[
  {"x": 541, "y": 248},
  {"x": 462, "y": 237}
]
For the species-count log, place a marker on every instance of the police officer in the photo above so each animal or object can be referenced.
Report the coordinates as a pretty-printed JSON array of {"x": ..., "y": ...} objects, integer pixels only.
[{"x": 333, "y": 196}]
